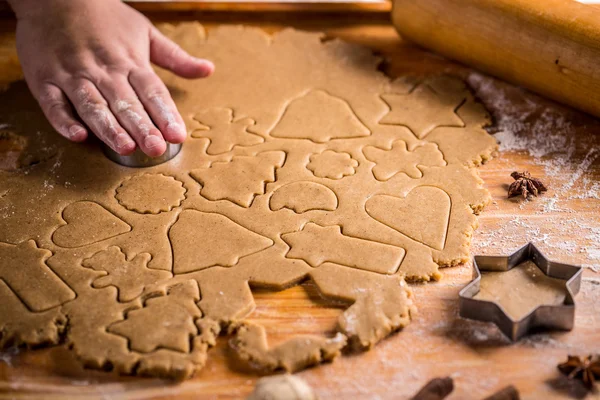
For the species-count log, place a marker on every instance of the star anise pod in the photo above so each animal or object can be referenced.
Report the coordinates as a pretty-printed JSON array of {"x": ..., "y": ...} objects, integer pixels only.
[
  {"x": 525, "y": 185},
  {"x": 586, "y": 369}
]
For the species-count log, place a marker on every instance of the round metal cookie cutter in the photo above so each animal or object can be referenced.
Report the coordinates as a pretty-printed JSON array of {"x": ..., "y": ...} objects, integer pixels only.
[{"x": 138, "y": 159}]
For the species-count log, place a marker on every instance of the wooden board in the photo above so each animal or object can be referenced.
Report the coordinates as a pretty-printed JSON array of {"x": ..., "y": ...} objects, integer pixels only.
[
  {"x": 565, "y": 222},
  {"x": 302, "y": 6}
]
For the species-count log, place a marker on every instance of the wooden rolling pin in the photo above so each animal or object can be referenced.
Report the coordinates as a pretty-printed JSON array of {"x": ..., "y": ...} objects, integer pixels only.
[{"x": 549, "y": 46}]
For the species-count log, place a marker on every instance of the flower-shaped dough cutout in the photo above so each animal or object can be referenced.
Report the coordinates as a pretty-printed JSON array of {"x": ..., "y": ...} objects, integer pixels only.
[
  {"x": 401, "y": 159},
  {"x": 150, "y": 193},
  {"x": 331, "y": 164}
]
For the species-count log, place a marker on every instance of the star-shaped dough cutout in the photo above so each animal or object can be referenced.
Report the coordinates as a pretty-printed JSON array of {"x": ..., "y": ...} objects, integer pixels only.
[{"x": 421, "y": 111}]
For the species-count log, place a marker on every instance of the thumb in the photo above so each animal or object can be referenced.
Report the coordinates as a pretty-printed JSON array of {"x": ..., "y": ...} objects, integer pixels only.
[{"x": 166, "y": 54}]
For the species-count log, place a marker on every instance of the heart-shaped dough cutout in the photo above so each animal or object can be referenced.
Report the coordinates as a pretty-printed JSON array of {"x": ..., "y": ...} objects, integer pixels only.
[
  {"x": 423, "y": 215},
  {"x": 86, "y": 223}
]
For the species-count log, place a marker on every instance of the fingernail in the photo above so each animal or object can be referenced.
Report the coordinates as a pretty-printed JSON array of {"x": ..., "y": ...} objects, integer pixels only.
[
  {"x": 208, "y": 66},
  {"x": 208, "y": 63},
  {"x": 74, "y": 131},
  {"x": 176, "y": 129},
  {"x": 122, "y": 140},
  {"x": 152, "y": 141}
]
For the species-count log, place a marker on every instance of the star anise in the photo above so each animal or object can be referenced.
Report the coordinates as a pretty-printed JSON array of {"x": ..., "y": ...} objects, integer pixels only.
[
  {"x": 586, "y": 369},
  {"x": 525, "y": 185}
]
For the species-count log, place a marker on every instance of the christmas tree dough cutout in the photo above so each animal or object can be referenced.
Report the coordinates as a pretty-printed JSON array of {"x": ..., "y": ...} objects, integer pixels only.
[{"x": 241, "y": 179}]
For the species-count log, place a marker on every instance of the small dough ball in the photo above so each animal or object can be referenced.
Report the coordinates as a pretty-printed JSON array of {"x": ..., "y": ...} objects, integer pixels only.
[{"x": 282, "y": 387}]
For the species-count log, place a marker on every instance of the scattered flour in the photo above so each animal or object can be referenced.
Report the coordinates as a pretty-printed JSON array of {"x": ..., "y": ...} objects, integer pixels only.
[
  {"x": 547, "y": 133},
  {"x": 594, "y": 254},
  {"x": 8, "y": 355},
  {"x": 540, "y": 130}
]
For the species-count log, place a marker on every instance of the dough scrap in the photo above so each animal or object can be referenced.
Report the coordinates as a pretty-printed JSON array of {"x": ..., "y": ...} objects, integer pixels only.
[
  {"x": 250, "y": 343},
  {"x": 311, "y": 165},
  {"x": 12, "y": 147},
  {"x": 380, "y": 303}
]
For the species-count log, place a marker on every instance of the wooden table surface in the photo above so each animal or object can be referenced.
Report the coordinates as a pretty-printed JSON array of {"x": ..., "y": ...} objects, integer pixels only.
[{"x": 556, "y": 144}]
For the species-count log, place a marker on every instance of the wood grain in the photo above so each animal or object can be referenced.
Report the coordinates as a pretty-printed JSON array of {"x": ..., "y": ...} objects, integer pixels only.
[
  {"x": 551, "y": 47},
  {"x": 264, "y": 6},
  {"x": 438, "y": 342}
]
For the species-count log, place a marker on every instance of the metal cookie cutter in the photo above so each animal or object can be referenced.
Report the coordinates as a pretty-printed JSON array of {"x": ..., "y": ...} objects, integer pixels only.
[
  {"x": 547, "y": 316},
  {"x": 138, "y": 159}
]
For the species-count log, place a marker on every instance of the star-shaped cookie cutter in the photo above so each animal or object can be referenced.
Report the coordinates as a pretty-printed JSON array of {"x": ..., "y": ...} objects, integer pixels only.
[{"x": 544, "y": 316}]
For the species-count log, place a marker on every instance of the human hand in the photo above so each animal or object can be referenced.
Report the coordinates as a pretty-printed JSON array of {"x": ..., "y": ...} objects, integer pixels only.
[{"x": 92, "y": 58}]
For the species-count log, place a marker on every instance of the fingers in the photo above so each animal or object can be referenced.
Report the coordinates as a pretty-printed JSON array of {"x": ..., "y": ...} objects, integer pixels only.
[
  {"x": 114, "y": 112},
  {"x": 94, "y": 111},
  {"x": 57, "y": 109},
  {"x": 167, "y": 54},
  {"x": 158, "y": 103},
  {"x": 124, "y": 109},
  {"x": 130, "y": 113}
]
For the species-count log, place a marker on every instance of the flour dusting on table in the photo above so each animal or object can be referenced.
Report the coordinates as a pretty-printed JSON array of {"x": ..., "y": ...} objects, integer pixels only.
[{"x": 545, "y": 133}]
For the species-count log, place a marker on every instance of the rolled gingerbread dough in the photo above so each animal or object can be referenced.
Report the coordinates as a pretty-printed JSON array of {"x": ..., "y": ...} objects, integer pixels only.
[{"x": 303, "y": 162}]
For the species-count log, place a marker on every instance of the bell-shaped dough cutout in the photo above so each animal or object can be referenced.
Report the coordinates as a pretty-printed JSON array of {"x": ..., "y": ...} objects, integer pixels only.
[
  {"x": 320, "y": 117},
  {"x": 203, "y": 239},
  {"x": 304, "y": 196}
]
